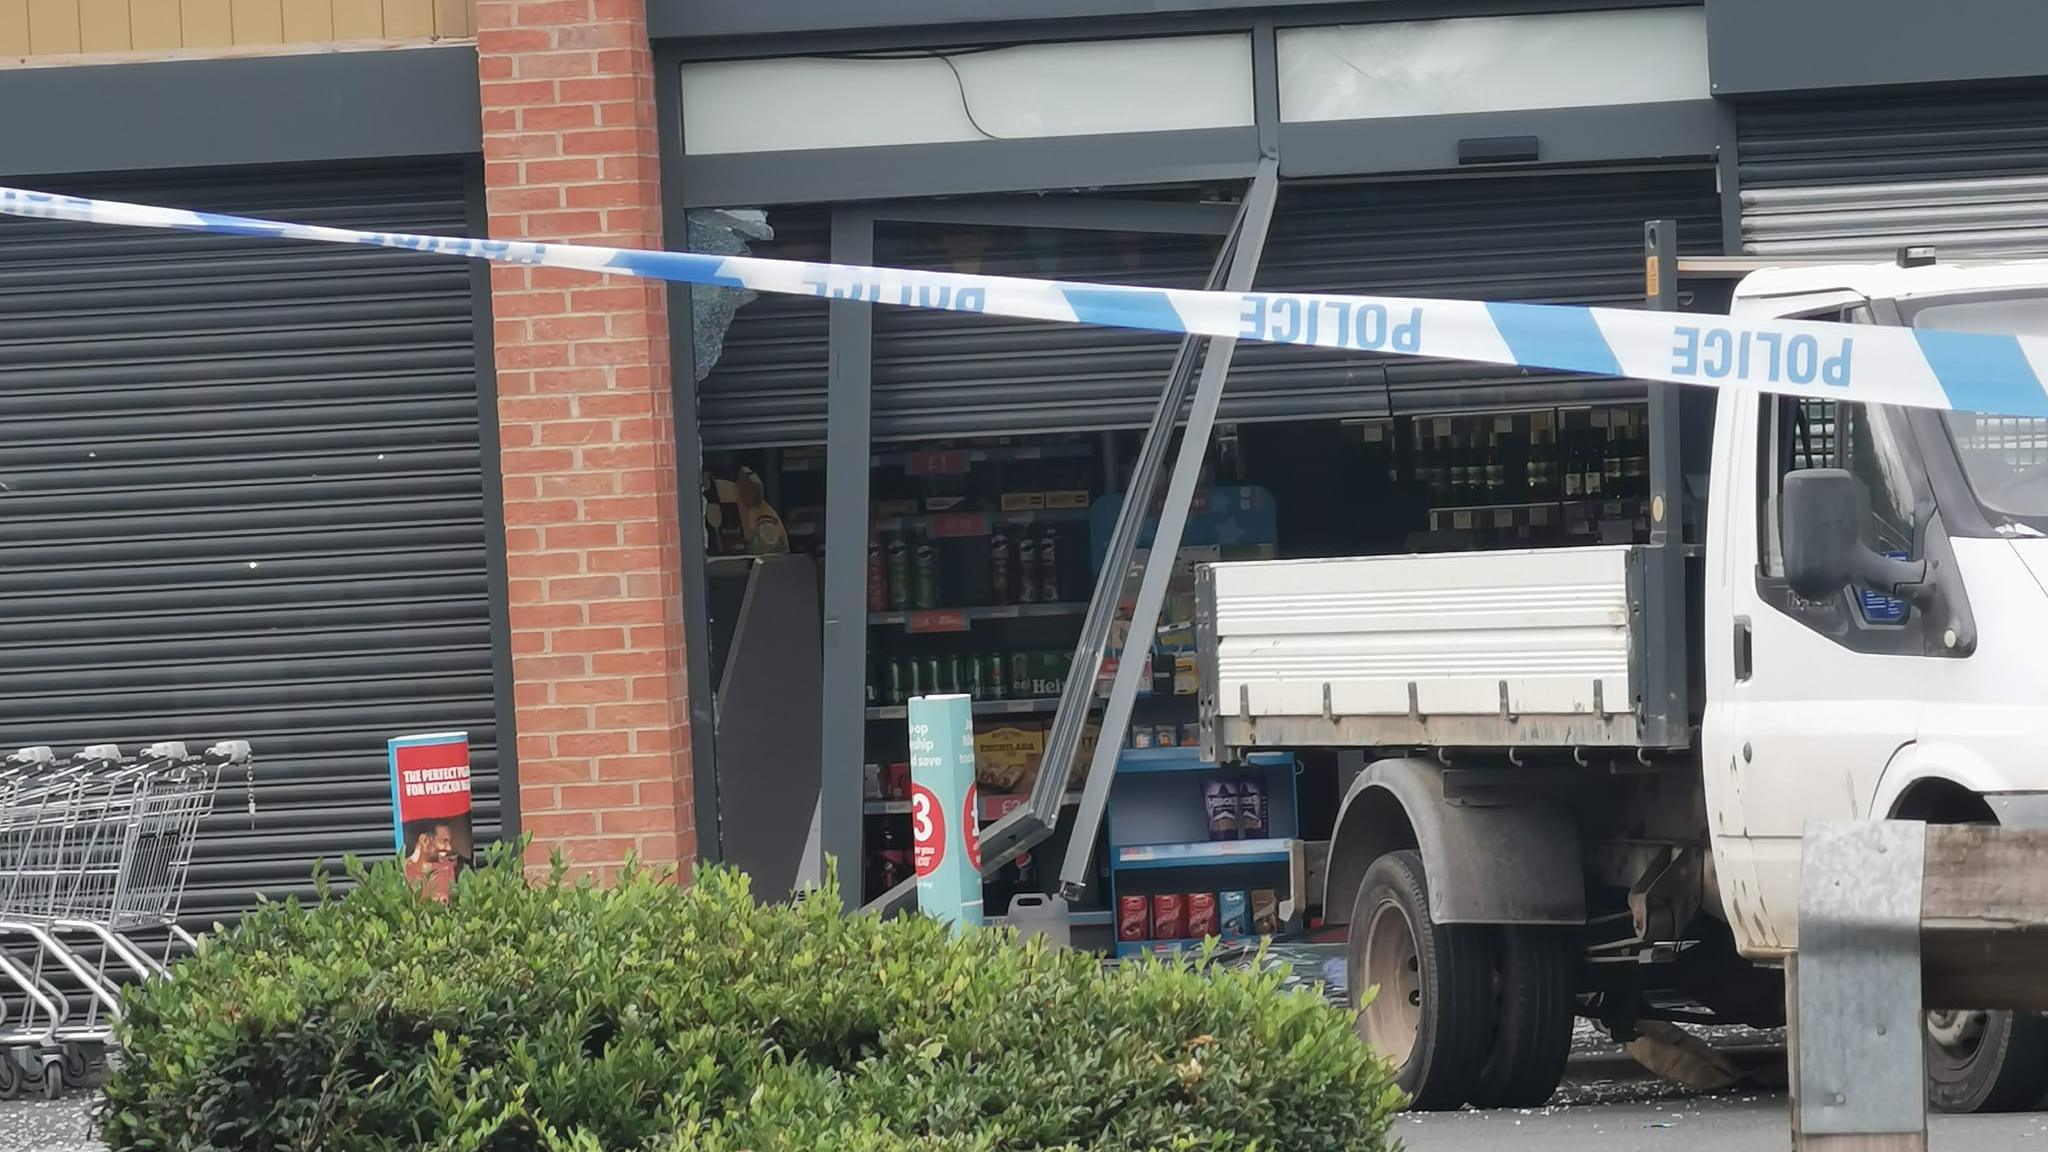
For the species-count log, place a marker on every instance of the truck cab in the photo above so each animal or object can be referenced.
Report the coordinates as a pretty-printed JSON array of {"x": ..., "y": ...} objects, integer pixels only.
[{"x": 1567, "y": 807}]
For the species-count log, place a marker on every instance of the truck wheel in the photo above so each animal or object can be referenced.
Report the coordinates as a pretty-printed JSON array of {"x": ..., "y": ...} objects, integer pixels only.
[
  {"x": 1986, "y": 1061},
  {"x": 1534, "y": 990},
  {"x": 1432, "y": 1016}
]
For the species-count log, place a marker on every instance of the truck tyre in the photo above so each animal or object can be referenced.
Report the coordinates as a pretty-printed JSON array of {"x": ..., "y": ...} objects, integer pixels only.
[
  {"x": 1533, "y": 988},
  {"x": 1986, "y": 1061},
  {"x": 1433, "y": 1014}
]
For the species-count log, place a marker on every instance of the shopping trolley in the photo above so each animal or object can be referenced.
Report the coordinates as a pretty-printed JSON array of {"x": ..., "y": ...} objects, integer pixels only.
[{"x": 94, "y": 851}]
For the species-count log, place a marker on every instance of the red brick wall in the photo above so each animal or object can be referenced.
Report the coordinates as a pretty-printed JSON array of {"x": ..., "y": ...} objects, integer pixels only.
[{"x": 588, "y": 445}]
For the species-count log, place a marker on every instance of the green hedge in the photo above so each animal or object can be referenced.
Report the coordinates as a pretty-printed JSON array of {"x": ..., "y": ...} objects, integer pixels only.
[{"x": 572, "y": 1018}]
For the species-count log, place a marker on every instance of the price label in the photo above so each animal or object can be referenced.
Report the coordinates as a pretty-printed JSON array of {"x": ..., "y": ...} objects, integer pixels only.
[
  {"x": 938, "y": 620},
  {"x": 927, "y": 830},
  {"x": 957, "y": 524},
  {"x": 937, "y": 463}
]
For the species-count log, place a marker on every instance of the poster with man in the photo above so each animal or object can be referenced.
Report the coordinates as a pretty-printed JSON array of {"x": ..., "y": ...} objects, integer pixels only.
[{"x": 430, "y": 802}]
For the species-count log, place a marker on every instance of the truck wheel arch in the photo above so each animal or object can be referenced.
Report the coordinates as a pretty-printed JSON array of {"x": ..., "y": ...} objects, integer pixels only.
[{"x": 1510, "y": 858}]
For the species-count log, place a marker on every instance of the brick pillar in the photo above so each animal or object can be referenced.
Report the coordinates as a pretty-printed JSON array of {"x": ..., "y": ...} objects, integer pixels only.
[{"x": 587, "y": 437}]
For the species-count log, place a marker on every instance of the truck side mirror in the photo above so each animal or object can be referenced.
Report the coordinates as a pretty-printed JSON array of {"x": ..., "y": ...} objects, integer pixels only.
[{"x": 1824, "y": 510}]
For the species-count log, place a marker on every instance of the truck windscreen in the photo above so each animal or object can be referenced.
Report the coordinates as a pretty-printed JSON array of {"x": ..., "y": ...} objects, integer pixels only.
[{"x": 2006, "y": 457}]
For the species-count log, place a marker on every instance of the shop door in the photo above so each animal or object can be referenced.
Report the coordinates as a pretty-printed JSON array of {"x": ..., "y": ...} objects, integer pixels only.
[
  {"x": 1863, "y": 176},
  {"x": 245, "y": 498}
]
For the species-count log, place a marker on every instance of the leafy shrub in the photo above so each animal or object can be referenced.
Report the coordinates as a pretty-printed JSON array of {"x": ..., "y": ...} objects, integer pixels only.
[{"x": 570, "y": 1018}]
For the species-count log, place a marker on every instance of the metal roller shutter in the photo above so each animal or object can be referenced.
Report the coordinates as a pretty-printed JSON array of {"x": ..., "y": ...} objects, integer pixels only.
[
  {"x": 1864, "y": 176},
  {"x": 243, "y": 499},
  {"x": 1571, "y": 238},
  {"x": 768, "y": 387},
  {"x": 1558, "y": 237}
]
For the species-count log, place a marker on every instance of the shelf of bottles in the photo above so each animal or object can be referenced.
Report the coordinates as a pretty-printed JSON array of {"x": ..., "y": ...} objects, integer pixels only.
[{"x": 1523, "y": 479}]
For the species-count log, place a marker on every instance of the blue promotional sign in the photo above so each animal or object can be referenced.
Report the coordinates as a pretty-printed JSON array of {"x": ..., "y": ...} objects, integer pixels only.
[{"x": 944, "y": 826}]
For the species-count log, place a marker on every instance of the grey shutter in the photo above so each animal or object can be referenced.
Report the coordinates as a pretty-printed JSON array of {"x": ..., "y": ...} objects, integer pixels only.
[
  {"x": 768, "y": 387},
  {"x": 1557, "y": 237},
  {"x": 1863, "y": 176},
  {"x": 243, "y": 499}
]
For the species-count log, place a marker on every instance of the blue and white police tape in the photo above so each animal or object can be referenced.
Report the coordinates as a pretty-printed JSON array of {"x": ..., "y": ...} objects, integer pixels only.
[{"x": 1953, "y": 370}]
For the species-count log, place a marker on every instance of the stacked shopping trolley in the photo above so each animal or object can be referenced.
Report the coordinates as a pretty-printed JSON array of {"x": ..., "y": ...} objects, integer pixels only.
[{"x": 94, "y": 851}]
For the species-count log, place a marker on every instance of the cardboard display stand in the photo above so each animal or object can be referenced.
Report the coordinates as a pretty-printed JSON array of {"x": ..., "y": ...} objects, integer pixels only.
[
  {"x": 944, "y": 826},
  {"x": 430, "y": 807}
]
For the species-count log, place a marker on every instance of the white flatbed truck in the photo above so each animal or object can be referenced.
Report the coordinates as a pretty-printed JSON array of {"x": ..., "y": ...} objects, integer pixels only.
[{"x": 1586, "y": 770}]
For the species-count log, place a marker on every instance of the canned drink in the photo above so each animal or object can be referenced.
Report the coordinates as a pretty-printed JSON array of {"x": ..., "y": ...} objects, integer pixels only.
[
  {"x": 899, "y": 573},
  {"x": 925, "y": 569},
  {"x": 878, "y": 579},
  {"x": 955, "y": 682},
  {"x": 1049, "y": 566},
  {"x": 999, "y": 567},
  {"x": 977, "y": 678},
  {"x": 1020, "y": 673},
  {"x": 913, "y": 679},
  {"x": 933, "y": 686},
  {"x": 998, "y": 688},
  {"x": 1027, "y": 571}
]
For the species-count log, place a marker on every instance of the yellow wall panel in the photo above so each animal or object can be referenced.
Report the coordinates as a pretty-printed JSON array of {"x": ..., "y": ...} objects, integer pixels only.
[
  {"x": 308, "y": 21},
  {"x": 13, "y": 27},
  {"x": 103, "y": 25},
  {"x": 358, "y": 19},
  {"x": 258, "y": 21},
  {"x": 52, "y": 26},
  {"x": 455, "y": 18},
  {"x": 408, "y": 19},
  {"x": 154, "y": 25},
  {"x": 207, "y": 23}
]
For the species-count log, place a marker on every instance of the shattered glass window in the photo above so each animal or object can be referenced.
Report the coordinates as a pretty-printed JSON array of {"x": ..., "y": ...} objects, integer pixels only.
[{"x": 720, "y": 232}]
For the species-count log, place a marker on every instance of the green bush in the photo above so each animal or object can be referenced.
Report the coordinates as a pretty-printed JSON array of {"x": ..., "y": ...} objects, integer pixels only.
[{"x": 570, "y": 1018}]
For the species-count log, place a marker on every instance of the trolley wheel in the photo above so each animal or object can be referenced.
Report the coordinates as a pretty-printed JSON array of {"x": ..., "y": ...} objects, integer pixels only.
[
  {"x": 10, "y": 1075},
  {"x": 77, "y": 1065},
  {"x": 52, "y": 1083}
]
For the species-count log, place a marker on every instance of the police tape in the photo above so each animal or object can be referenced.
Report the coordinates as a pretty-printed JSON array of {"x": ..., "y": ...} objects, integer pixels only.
[{"x": 1965, "y": 371}]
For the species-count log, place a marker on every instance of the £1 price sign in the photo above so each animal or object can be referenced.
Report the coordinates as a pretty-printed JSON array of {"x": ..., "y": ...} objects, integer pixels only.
[{"x": 941, "y": 821}]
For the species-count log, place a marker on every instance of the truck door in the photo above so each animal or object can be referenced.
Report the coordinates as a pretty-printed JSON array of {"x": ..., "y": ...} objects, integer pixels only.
[{"x": 1814, "y": 697}]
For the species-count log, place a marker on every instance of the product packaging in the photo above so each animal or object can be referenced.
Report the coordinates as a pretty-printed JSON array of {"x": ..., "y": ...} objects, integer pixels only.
[
  {"x": 1166, "y": 736},
  {"x": 1233, "y": 913},
  {"x": 1220, "y": 806},
  {"x": 1133, "y": 917},
  {"x": 1169, "y": 916},
  {"x": 1007, "y": 757},
  {"x": 1202, "y": 915},
  {"x": 1141, "y": 736},
  {"x": 1252, "y": 823},
  {"x": 1265, "y": 911}
]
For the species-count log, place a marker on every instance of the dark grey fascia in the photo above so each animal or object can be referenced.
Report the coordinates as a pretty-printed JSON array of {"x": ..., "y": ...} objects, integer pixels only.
[
  {"x": 707, "y": 28},
  {"x": 1601, "y": 134},
  {"x": 1762, "y": 46},
  {"x": 307, "y": 107},
  {"x": 840, "y": 175}
]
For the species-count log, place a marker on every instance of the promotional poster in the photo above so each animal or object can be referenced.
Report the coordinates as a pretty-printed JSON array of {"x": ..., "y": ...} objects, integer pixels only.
[{"x": 430, "y": 800}]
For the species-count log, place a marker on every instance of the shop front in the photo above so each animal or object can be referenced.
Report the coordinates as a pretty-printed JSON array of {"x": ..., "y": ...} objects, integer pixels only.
[{"x": 976, "y": 465}]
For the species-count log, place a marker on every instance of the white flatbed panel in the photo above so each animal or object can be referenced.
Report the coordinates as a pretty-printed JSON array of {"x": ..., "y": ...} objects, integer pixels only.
[{"x": 1427, "y": 639}]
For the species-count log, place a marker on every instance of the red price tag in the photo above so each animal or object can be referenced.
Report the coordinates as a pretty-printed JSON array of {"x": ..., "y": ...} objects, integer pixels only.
[
  {"x": 970, "y": 829},
  {"x": 927, "y": 830},
  {"x": 994, "y": 808},
  {"x": 937, "y": 463},
  {"x": 938, "y": 620},
  {"x": 955, "y": 524}
]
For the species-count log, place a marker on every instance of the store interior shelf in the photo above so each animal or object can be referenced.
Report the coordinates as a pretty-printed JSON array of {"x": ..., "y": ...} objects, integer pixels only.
[
  {"x": 1091, "y": 918},
  {"x": 902, "y": 807},
  {"x": 933, "y": 458},
  {"x": 1187, "y": 758},
  {"x": 1219, "y": 852},
  {"x": 1019, "y": 707},
  {"x": 910, "y": 617},
  {"x": 977, "y": 523}
]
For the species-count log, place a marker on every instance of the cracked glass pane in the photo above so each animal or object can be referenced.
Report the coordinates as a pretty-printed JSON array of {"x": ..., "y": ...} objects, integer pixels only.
[{"x": 720, "y": 232}]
